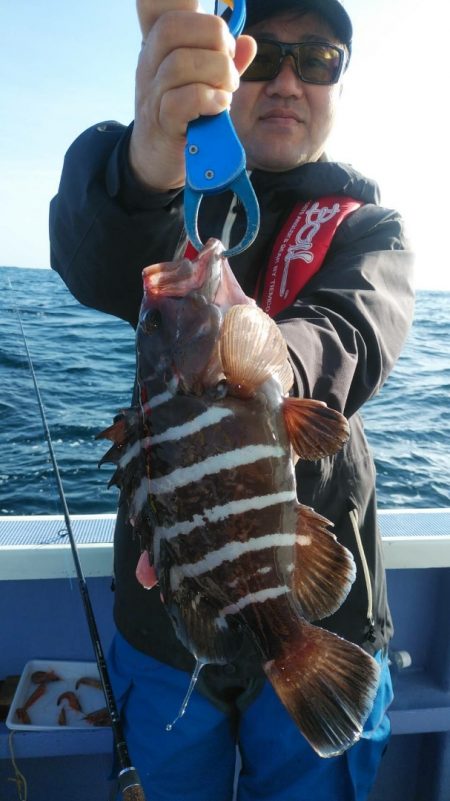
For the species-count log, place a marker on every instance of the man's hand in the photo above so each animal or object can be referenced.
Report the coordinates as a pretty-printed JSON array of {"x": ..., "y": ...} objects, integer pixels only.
[{"x": 189, "y": 66}]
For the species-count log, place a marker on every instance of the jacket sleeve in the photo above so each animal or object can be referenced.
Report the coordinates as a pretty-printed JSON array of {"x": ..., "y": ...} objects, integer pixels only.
[
  {"x": 347, "y": 327},
  {"x": 103, "y": 231}
]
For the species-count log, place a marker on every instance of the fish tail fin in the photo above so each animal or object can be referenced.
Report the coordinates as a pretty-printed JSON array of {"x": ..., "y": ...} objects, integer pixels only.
[
  {"x": 324, "y": 569},
  {"x": 328, "y": 686}
]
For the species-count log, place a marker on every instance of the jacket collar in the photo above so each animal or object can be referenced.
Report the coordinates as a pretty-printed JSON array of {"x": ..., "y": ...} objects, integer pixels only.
[{"x": 314, "y": 180}]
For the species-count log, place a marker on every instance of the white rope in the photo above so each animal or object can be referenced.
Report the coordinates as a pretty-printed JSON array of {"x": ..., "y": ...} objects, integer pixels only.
[{"x": 18, "y": 778}]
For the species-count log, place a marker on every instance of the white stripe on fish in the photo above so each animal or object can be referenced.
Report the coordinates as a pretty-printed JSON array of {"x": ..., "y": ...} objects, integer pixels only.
[
  {"x": 139, "y": 498},
  {"x": 182, "y": 476},
  {"x": 221, "y": 512},
  {"x": 131, "y": 453},
  {"x": 253, "y": 598},
  {"x": 157, "y": 400},
  {"x": 228, "y": 553},
  {"x": 211, "y": 417}
]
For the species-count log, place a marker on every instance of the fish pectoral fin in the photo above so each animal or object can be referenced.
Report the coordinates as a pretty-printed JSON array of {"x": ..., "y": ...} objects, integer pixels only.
[
  {"x": 252, "y": 350},
  {"x": 324, "y": 569},
  {"x": 314, "y": 429},
  {"x": 328, "y": 686}
]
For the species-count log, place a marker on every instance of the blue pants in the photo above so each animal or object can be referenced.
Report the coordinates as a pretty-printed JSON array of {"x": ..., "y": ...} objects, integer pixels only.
[{"x": 196, "y": 760}]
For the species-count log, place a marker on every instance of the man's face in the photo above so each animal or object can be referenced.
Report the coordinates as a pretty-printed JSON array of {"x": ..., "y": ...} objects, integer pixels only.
[{"x": 284, "y": 122}]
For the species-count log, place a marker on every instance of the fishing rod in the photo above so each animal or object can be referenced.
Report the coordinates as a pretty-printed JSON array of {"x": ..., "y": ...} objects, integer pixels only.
[{"x": 129, "y": 783}]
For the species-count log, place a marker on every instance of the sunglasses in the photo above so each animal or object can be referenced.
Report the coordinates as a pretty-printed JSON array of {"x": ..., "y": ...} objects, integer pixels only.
[{"x": 315, "y": 62}]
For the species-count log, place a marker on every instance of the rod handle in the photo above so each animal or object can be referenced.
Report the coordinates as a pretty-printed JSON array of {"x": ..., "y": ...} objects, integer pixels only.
[
  {"x": 130, "y": 785},
  {"x": 134, "y": 793}
]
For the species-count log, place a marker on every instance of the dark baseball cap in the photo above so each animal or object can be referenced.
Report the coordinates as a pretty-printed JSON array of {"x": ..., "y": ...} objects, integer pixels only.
[{"x": 331, "y": 10}]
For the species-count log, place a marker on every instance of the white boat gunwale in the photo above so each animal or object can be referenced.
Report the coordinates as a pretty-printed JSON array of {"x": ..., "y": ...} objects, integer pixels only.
[{"x": 37, "y": 547}]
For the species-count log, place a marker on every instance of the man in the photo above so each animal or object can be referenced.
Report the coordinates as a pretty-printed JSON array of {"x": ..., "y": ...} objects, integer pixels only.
[{"x": 119, "y": 208}]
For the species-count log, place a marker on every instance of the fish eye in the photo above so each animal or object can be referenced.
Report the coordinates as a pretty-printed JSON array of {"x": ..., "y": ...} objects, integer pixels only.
[{"x": 151, "y": 321}]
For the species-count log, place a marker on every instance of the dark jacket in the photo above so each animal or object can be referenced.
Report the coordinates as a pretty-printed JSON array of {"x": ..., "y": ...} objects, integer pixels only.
[{"x": 344, "y": 333}]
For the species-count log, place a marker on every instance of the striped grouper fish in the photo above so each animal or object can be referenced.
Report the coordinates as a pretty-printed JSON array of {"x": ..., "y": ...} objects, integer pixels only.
[{"x": 206, "y": 463}]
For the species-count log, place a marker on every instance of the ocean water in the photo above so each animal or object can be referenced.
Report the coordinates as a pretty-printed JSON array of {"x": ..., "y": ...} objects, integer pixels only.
[{"x": 84, "y": 365}]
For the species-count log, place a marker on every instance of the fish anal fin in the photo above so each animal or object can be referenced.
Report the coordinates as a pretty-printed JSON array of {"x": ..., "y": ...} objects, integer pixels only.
[
  {"x": 324, "y": 569},
  {"x": 328, "y": 686},
  {"x": 314, "y": 429},
  {"x": 198, "y": 626},
  {"x": 252, "y": 350}
]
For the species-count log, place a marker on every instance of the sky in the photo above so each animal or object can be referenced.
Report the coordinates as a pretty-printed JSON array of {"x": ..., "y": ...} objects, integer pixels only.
[{"x": 66, "y": 66}]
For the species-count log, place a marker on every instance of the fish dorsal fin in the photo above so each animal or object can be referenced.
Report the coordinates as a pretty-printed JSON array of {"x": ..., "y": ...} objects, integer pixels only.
[
  {"x": 324, "y": 569},
  {"x": 314, "y": 429},
  {"x": 252, "y": 350},
  {"x": 122, "y": 430}
]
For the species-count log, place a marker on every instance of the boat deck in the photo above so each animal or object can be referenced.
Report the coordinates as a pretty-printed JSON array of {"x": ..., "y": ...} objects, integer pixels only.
[{"x": 42, "y": 617}]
